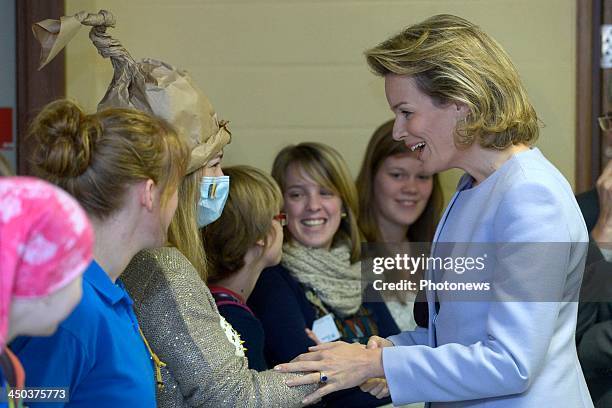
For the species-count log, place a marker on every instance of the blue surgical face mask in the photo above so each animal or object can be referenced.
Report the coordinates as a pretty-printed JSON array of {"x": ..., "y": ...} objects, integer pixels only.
[{"x": 213, "y": 195}]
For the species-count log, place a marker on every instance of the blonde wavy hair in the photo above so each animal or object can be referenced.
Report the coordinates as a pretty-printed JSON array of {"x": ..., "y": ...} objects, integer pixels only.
[
  {"x": 453, "y": 60},
  {"x": 183, "y": 232},
  {"x": 328, "y": 169}
]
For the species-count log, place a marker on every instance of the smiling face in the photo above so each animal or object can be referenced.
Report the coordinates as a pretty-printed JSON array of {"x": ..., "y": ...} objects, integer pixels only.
[
  {"x": 313, "y": 211},
  {"x": 401, "y": 191},
  {"x": 423, "y": 124}
]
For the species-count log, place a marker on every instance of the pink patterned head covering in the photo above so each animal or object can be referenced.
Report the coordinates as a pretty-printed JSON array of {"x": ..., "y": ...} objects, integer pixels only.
[{"x": 46, "y": 241}]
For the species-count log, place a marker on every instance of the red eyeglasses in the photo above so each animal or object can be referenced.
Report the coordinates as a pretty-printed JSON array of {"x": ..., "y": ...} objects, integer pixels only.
[{"x": 282, "y": 218}]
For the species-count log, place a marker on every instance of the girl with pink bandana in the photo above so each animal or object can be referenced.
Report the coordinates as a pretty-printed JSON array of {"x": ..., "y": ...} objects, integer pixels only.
[{"x": 46, "y": 243}]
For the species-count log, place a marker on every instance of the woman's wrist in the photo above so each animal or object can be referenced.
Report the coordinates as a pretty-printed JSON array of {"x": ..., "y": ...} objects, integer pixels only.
[{"x": 375, "y": 368}]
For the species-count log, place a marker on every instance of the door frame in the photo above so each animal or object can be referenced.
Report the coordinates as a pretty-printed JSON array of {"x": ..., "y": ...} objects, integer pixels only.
[
  {"x": 34, "y": 88},
  {"x": 588, "y": 93}
]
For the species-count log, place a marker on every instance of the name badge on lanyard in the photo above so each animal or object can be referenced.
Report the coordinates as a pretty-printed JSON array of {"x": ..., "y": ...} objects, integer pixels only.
[{"x": 325, "y": 329}]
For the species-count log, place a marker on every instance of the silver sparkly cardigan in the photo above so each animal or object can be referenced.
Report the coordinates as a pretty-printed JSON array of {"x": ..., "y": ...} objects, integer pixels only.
[{"x": 179, "y": 318}]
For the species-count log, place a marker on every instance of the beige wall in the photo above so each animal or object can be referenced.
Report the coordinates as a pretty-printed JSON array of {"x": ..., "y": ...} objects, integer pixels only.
[{"x": 285, "y": 71}]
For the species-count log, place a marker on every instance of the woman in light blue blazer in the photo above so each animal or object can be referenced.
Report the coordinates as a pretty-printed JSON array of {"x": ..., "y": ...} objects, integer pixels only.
[{"x": 459, "y": 103}]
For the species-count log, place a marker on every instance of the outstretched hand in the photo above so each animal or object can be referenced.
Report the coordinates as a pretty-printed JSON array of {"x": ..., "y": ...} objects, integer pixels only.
[
  {"x": 376, "y": 341},
  {"x": 345, "y": 366},
  {"x": 377, "y": 387}
]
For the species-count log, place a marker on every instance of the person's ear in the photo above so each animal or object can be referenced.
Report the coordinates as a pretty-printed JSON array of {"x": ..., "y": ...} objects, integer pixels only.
[
  {"x": 148, "y": 194},
  {"x": 260, "y": 243},
  {"x": 254, "y": 252},
  {"x": 462, "y": 109}
]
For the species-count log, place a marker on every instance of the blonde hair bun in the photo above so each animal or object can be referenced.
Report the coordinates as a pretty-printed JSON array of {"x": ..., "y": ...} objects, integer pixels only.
[{"x": 68, "y": 136}]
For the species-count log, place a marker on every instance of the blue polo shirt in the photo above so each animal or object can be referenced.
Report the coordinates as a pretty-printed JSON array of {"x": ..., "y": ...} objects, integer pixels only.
[
  {"x": 97, "y": 352},
  {"x": 3, "y": 390}
]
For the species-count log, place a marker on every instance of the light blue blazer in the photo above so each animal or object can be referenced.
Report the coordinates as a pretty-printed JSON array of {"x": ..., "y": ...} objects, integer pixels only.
[{"x": 518, "y": 354}]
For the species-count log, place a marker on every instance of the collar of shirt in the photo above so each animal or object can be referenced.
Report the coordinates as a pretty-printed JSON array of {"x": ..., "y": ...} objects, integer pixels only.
[{"x": 109, "y": 291}]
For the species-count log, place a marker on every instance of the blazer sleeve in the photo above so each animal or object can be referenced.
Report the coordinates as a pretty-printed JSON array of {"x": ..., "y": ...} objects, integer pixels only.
[
  {"x": 181, "y": 322},
  {"x": 415, "y": 337},
  {"x": 518, "y": 334}
]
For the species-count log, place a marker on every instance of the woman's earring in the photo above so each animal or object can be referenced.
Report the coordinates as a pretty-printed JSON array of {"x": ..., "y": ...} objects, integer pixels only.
[{"x": 343, "y": 214}]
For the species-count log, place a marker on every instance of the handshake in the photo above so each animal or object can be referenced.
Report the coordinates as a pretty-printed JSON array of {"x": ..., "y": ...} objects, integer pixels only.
[
  {"x": 338, "y": 365},
  {"x": 377, "y": 386}
]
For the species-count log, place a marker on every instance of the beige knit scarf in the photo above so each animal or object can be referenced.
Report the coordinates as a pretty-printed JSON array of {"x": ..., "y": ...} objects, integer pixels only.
[{"x": 329, "y": 273}]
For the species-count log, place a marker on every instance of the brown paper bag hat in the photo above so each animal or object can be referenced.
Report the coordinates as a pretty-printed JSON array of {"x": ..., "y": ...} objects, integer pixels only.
[{"x": 149, "y": 85}]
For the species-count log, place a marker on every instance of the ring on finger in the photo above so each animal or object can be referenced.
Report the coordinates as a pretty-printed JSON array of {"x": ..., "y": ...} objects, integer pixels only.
[{"x": 323, "y": 377}]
